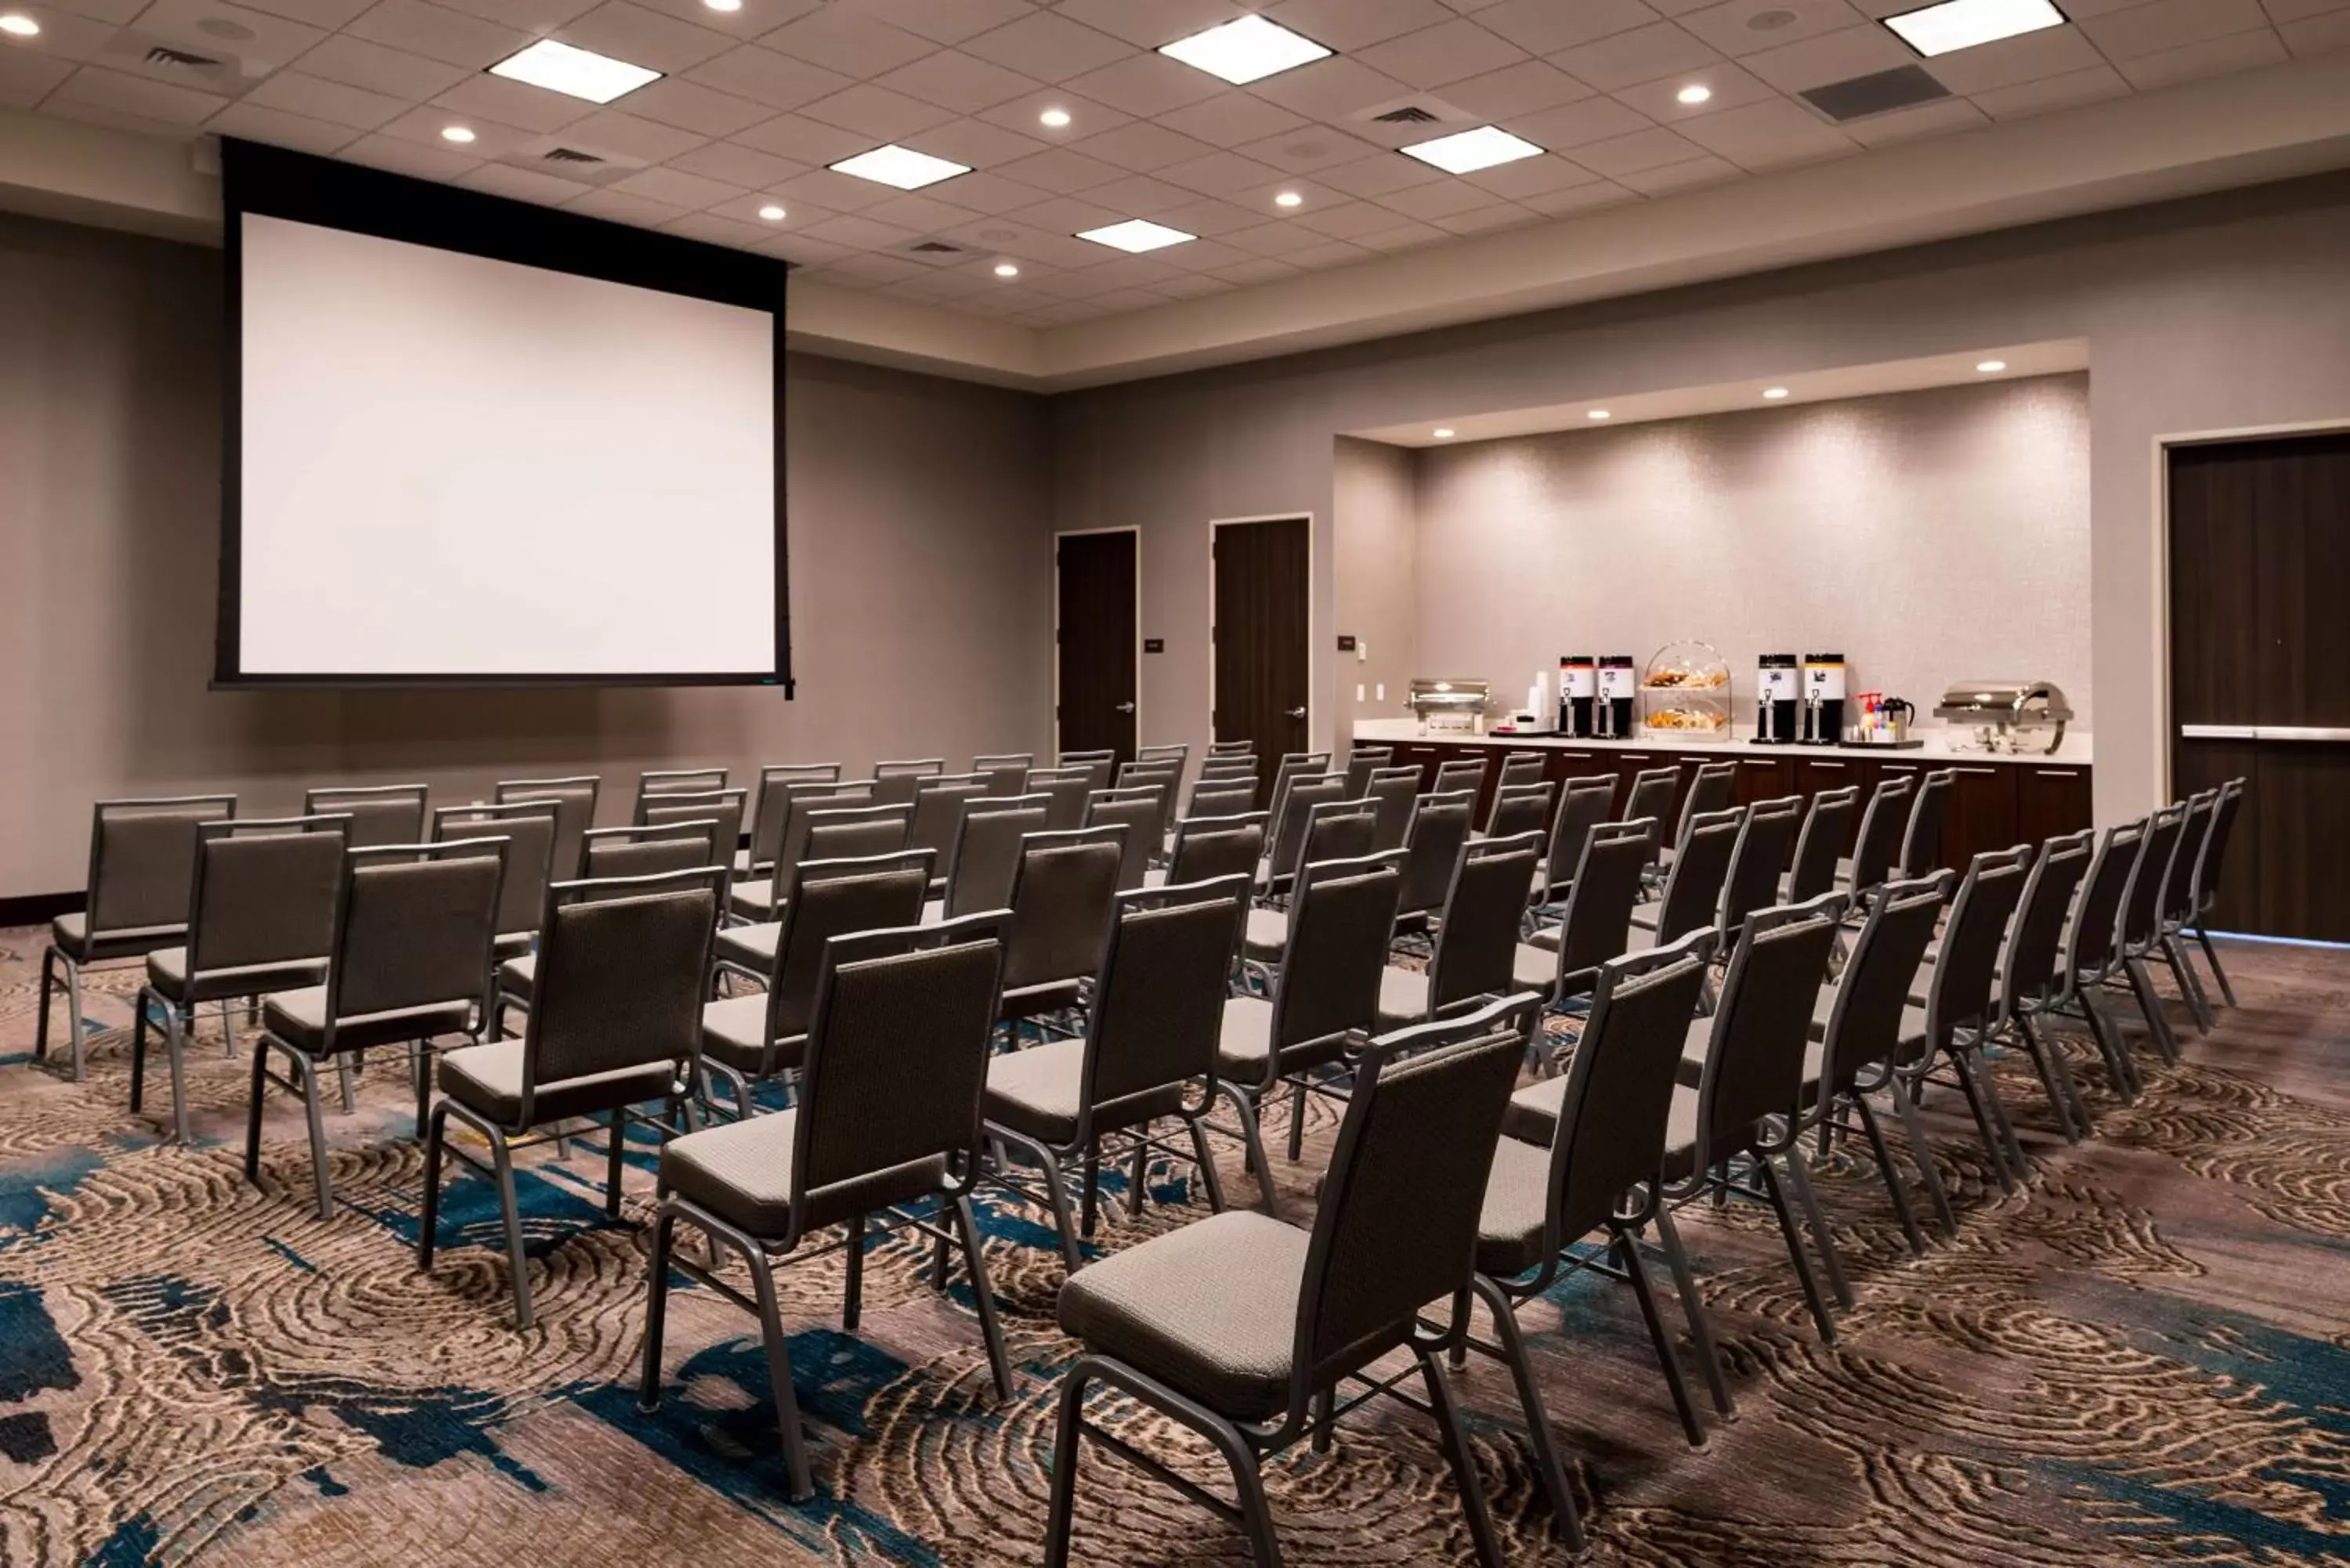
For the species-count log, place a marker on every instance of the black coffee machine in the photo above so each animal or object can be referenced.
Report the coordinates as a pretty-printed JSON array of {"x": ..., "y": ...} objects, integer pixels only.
[{"x": 1579, "y": 692}]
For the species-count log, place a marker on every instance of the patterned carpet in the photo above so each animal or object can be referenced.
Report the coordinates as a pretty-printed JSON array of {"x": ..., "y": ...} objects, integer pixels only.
[{"x": 2142, "y": 1358}]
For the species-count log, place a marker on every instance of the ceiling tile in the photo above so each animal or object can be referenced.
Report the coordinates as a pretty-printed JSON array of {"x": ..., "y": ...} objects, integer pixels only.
[
  {"x": 1527, "y": 87},
  {"x": 1029, "y": 244},
  {"x": 977, "y": 143},
  {"x": 738, "y": 165},
  {"x": 1951, "y": 114},
  {"x": 2026, "y": 57},
  {"x": 1060, "y": 170},
  {"x": 1651, "y": 148},
  {"x": 876, "y": 112},
  {"x": 862, "y": 234},
  {"x": 2170, "y": 24},
  {"x": 1547, "y": 26},
  {"x": 274, "y": 40},
  {"x": 1730, "y": 85},
  {"x": 1576, "y": 124},
  {"x": 436, "y": 162},
  {"x": 1486, "y": 220},
  {"x": 1232, "y": 120},
  {"x": 1193, "y": 285},
  {"x": 2278, "y": 10},
  {"x": 690, "y": 106},
  {"x": 521, "y": 184},
  {"x": 797, "y": 217},
  {"x": 1212, "y": 216},
  {"x": 942, "y": 21},
  {"x": 1304, "y": 151},
  {"x": 740, "y": 26},
  {"x": 127, "y": 94},
  {"x": 314, "y": 97},
  {"x": 423, "y": 124},
  {"x": 631, "y": 136},
  {"x": 1264, "y": 269},
  {"x": 257, "y": 122},
  {"x": 1144, "y": 146},
  {"x": 1348, "y": 25},
  {"x": 1637, "y": 54},
  {"x": 328, "y": 13},
  {"x": 395, "y": 73},
  {"x": 805, "y": 141},
  {"x": 1764, "y": 135},
  {"x": 619, "y": 207},
  {"x": 1147, "y": 23},
  {"x": 644, "y": 37},
  {"x": 963, "y": 83},
  {"x": 2318, "y": 35},
  {"x": 528, "y": 16},
  {"x": 1834, "y": 57},
  {"x": 1401, "y": 237},
  {"x": 29, "y": 77},
  {"x": 762, "y": 76},
  {"x": 120, "y": 11},
  {"x": 678, "y": 188},
  {"x": 1329, "y": 89},
  {"x": 2027, "y": 98},
  {"x": 116, "y": 120},
  {"x": 986, "y": 192},
  {"x": 1141, "y": 196},
  {"x": 1196, "y": 256},
  {"x": 1445, "y": 53},
  {"x": 1741, "y": 28},
  {"x": 923, "y": 214},
  {"x": 1532, "y": 177},
  {"x": 1344, "y": 219},
  {"x": 1150, "y": 84},
  {"x": 1440, "y": 200},
  {"x": 802, "y": 251},
  {"x": 1048, "y": 46},
  {"x": 1334, "y": 253},
  {"x": 2237, "y": 52},
  {"x": 63, "y": 36},
  {"x": 711, "y": 228},
  {"x": 485, "y": 97},
  {"x": 1275, "y": 239},
  {"x": 1220, "y": 173},
  {"x": 1580, "y": 199},
  {"x": 839, "y": 39},
  {"x": 1377, "y": 176},
  {"x": 1067, "y": 216},
  {"x": 1087, "y": 117},
  {"x": 1682, "y": 176},
  {"x": 438, "y": 33}
]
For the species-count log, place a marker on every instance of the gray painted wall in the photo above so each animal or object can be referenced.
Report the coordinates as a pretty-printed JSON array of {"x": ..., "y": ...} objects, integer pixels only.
[
  {"x": 920, "y": 553},
  {"x": 2221, "y": 313}
]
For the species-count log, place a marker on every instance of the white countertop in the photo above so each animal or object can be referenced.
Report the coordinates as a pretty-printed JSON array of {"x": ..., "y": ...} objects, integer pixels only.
[{"x": 2076, "y": 749}]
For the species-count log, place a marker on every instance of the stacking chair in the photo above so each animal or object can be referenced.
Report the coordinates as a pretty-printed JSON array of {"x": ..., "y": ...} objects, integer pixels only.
[
  {"x": 1210, "y": 847},
  {"x": 761, "y": 1037},
  {"x": 1562, "y": 962},
  {"x": 575, "y": 811},
  {"x": 911, "y": 1007},
  {"x": 1693, "y": 886},
  {"x": 624, "y": 966},
  {"x": 771, "y": 808},
  {"x": 1440, "y": 827},
  {"x": 2211, "y": 861},
  {"x": 1651, "y": 794},
  {"x": 2031, "y": 977},
  {"x": 1477, "y": 942},
  {"x": 143, "y": 859},
  {"x": 1289, "y": 821},
  {"x": 2178, "y": 904},
  {"x": 1961, "y": 1011},
  {"x": 612, "y": 855},
  {"x": 260, "y": 918},
  {"x": 655, "y": 781},
  {"x": 2093, "y": 954},
  {"x": 410, "y": 960},
  {"x": 894, "y": 783},
  {"x": 1218, "y": 748},
  {"x": 1362, "y": 762},
  {"x": 1064, "y": 791},
  {"x": 1394, "y": 790},
  {"x": 1922, "y": 840},
  {"x": 1766, "y": 840},
  {"x": 2139, "y": 938},
  {"x": 939, "y": 805},
  {"x": 721, "y": 807},
  {"x": 1518, "y": 768},
  {"x": 779, "y": 839},
  {"x": 1584, "y": 806},
  {"x": 1711, "y": 787},
  {"x": 1607, "y": 1143},
  {"x": 1241, "y": 1328},
  {"x": 1335, "y": 830},
  {"x": 1167, "y": 777},
  {"x": 379, "y": 813},
  {"x": 1180, "y": 752},
  {"x": 1136, "y": 813},
  {"x": 1462, "y": 774},
  {"x": 1006, "y": 772},
  {"x": 1327, "y": 990},
  {"x": 1518, "y": 808},
  {"x": 1065, "y": 886},
  {"x": 1820, "y": 845},
  {"x": 987, "y": 855},
  {"x": 1222, "y": 797},
  {"x": 1148, "y": 1052},
  {"x": 1227, "y": 766},
  {"x": 1874, "y": 859},
  {"x": 1098, "y": 766},
  {"x": 527, "y": 829},
  {"x": 1291, "y": 767}
]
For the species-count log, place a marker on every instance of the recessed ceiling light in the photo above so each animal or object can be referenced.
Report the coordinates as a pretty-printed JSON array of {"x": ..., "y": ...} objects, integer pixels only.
[
  {"x": 1992, "y": 366},
  {"x": 1442, "y": 432},
  {"x": 1053, "y": 119},
  {"x": 771, "y": 213},
  {"x": 1005, "y": 269},
  {"x": 581, "y": 72},
  {"x": 1465, "y": 152},
  {"x": 1600, "y": 414},
  {"x": 19, "y": 25},
  {"x": 1245, "y": 50},
  {"x": 900, "y": 166},
  {"x": 728, "y": 6},
  {"x": 460, "y": 134},
  {"x": 1964, "y": 23},
  {"x": 1289, "y": 199},
  {"x": 1696, "y": 92},
  {"x": 1137, "y": 234},
  {"x": 1775, "y": 393}
]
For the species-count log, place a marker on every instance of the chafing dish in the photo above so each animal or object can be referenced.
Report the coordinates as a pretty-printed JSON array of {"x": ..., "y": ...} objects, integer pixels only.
[
  {"x": 2008, "y": 715},
  {"x": 1451, "y": 707}
]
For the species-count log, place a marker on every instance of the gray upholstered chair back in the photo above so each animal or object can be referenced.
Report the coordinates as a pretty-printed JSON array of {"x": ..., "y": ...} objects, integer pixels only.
[
  {"x": 623, "y": 968},
  {"x": 1396, "y": 1228},
  {"x": 1160, "y": 1004},
  {"x": 1064, "y": 791},
  {"x": 1518, "y": 768},
  {"x": 2141, "y": 911},
  {"x": 723, "y": 808},
  {"x": 2211, "y": 860},
  {"x": 1864, "y": 1025},
  {"x": 1873, "y": 858},
  {"x": 1210, "y": 847},
  {"x": 1229, "y": 765},
  {"x": 1461, "y": 774},
  {"x": 417, "y": 925},
  {"x": 610, "y": 854},
  {"x": 894, "y": 783},
  {"x": 1766, "y": 840},
  {"x": 1710, "y": 791},
  {"x": 897, "y": 1056},
  {"x": 264, "y": 892},
  {"x": 1180, "y": 752},
  {"x": 1518, "y": 808},
  {"x": 1583, "y": 808},
  {"x": 846, "y": 832},
  {"x": 2092, "y": 954},
  {"x": 1222, "y": 797},
  {"x": 1006, "y": 772},
  {"x": 1620, "y": 1089},
  {"x": 143, "y": 859},
  {"x": 1290, "y": 817},
  {"x": 1362, "y": 762},
  {"x": 987, "y": 853},
  {"x": 1287, "y": 770},
  {"x": 938, "y": 806},
  {"x": 1340, "y": 924},
  {"x": 1441, "y": 826},
  {"x": 1393, "y": 790},
  {"x": 1762, "y": 1026},
  {"x": 379, "y": 813},
  {"x": 781, "y": 784},
  {"x": 838, "y": 899},
  {"x": 1922, "y": 840},
  {"x": 1165, "y": 777},
  {"x": 1477, "y": 945},
  {"x": 1137, "y": 813},
  {"x": 575, "y": 813},
  {"x": 1693, "y": 898},
  {"x": 1960, "y": 996},
  {"x": 1827, "y": 824},
  {"x": 656, "y": 782},
  {"x": 1231, "y": 748},
  {"x": 2031, "y": 975},
  {"x": 1651, "y": 795},
  {"x": 2179, "y": 886},
  {"x": 1097, "y": 766},
  {"x": 528, "y": 828},
  {"x": 1062, "y": 890},
  {"x": 1337, "y": 830}
]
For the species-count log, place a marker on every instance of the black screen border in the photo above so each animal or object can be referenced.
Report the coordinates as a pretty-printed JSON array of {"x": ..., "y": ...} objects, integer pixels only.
[{"x": 273, "y": 182}]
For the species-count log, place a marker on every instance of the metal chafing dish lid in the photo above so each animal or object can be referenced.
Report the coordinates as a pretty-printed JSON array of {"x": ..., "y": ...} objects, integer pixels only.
[
  {"x": 2036, "y": 701},
  {"x": 1430, "y": 692}
]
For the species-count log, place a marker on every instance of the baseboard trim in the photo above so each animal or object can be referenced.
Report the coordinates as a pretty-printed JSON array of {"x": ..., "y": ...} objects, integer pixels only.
[{"x": 39, "y": 908}]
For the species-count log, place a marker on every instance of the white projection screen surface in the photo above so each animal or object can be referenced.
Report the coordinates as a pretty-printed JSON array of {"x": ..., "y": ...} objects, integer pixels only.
[{"x": 450, "y": 467}]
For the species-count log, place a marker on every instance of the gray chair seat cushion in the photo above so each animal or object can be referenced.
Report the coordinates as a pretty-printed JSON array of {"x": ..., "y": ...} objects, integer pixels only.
[
  {"x": 1043, "y": 997},
  {"x": 519, "y": 977},
  {"x": 753, "y": 947},
  {"x": 1644, "y": 916},
  {"x": 167, "y": 972},
  {"x": 1247, "y": 1040},
  {"x": 1267, "y": 935},
  {"x": 1547, "y": 938},
  {"x": 742, "y": 862},
  {"x": 1403, "y": 997},
  {"x": 70, "y": 934},
  {"x": 1210, "y": 1310},
  {"x": 934, "y": 912},
  {"x": 1535, "y": 968},
  {"x": 1533, "y": 1114},
  {"x": 1680, "y": 1133},
  {"x": 512, "y": 945},
  {"x": 754, "y": 900},
  {"x": 299, "y": 1018},
  {"x": 742, "y": 1172},
  {"x": 1517, "y": 1200},
  {"x": 1155, "y": 878},
  {"x": 1034, "y": 1093},
  {"x": 1913, "y": 1022},
  {"x": 731, "y": 1031},
  {"x": 487, "y": 1079}
]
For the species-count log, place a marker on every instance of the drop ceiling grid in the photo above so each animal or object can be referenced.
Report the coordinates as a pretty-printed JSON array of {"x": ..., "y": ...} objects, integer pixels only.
[{"x": 757, "y": 101}]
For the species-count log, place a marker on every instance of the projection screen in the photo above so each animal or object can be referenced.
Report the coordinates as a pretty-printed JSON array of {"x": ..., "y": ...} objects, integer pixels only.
[{"x": 450, "y": 467}]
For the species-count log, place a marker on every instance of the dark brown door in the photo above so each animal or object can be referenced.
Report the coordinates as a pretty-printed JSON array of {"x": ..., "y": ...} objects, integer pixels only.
[
  {"x": 1097, "y": 577},
  {"x": 2259, "y": 569},
  {"x": 1260, "y": 636}
]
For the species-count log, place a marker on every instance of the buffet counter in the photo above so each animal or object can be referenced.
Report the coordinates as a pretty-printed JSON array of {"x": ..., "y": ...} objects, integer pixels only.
[{"x": 2075, "y": 751}]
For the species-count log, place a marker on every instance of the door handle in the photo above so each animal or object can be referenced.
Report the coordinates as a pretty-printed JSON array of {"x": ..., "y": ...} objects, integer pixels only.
[
  {"x": 1297, "y": 712},
  {"x": 1125, "y": 708}
]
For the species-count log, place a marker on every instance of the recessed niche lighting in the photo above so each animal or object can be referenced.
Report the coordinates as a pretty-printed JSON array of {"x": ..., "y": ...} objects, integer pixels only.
[
  {"x": 1053, "y": 120},
  {"x": 19, "y": 27},
  {"x": 1600, "y": 414},
  {"x": 1005, "y": 269},
  {"x": 771, "y": 213},
  {"x": 1695, "y": 93},
  {"x": 1137, "y": 235},
  {"x": 1245, "y": 50},
  {"x": 1964, "y": 23},
  {"x": 1992, "y": 366},
  {"x": 1775, "y": 393},
  {"x": 581, "y": 72},
  {"x": 1467, "y": 151},
  {"x": 1289, "y": 199},
  {"x": 729, "y": 5},
  {"x": 1442, "y": 432},
  {"x": 460, "y": 134},
  {"x": 900, "y": 166}
]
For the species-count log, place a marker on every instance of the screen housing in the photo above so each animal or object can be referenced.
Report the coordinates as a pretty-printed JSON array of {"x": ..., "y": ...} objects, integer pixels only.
[{"x": 274, "y": 183}]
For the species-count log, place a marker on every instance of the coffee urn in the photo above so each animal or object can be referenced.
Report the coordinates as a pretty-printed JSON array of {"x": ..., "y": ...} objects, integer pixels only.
[
  {"x": 1776, "y": 699},
  {"x": 1618, "y": 682},
  {"x": 1578, "y": 687},
  {"x": 1824, "y": 694}
]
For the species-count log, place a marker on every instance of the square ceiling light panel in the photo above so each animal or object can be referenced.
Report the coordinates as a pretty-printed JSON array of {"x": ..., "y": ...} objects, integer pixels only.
[
  {"x": 1467, "y": 151},
  {"x": 1135, "y": 236},
  {"x": 1964, "y": 23},
  {"x": 900, "y": 166},
  {"x": 581, "y": 72},
  {"x": 1247, "y": 50}
]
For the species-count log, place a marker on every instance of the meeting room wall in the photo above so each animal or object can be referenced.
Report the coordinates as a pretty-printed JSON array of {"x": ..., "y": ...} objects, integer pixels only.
[
  {"x": 2220, "y": 312},
  {"x": 920, "y": 538},
  {"x": 1930, "y": 537}
]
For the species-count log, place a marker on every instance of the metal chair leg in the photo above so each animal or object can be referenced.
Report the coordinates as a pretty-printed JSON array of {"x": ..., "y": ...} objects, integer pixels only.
[
  {"x": 2149, "y": 1001},
  {"x": 308, "y": 1071},
  {"x": 1891, "y": 1175},
  {"x": 2055, "y": 1078},
  {"x": 510, "y": 1207},
  {"x": 2107, "y": 1035},
  {"x": 1709, "y": 1358},
  {"x": 175, "y": 1033},
  {"x": 615, "y": 1150},
  {"x": 656, "y": 1308},
  {"x": 1627, "y": 1255},
  {"x": 1447, "y": 1411},
  {"x": 2203, "y": 941},
  {"x": 1914, "y": 1128},
  {"x": 1244, "y": 1110},
  {"x": 1567, "y": 1520},
  {"x": 779, "y": 1376},
  {"x": 1068, "y": 1441},
  {"x": 1817, "y": 1218},
  {"x": 2011, "y": 1147},
  {"x": 436, "y": 1132},
  {"x": 1992, "y": 1148},
  {"x": 1135, "y": 1176},
  {"x": 994, "y": 1331},
  {"x": 2189, "y": 986},
  {"x": 1820, "y": 1318},
  {"x": 1207, "y": 1163},
  {"x": 1296, "y": 1121}
]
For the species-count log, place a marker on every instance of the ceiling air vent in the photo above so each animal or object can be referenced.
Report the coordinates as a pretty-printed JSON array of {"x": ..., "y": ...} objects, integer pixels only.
[
  {"x": 934, "y": 248},
  {"x": 1876, "y": 93},
  {"x": 569, "y": 155},
  {"x": 1410, "y": 114},
  {"x": 164, "y": 55}
]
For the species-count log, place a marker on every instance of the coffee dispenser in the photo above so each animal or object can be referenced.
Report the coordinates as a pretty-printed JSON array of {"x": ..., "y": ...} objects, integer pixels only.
[
  {"x": 1824, "y": 692},
  {"x": 1579, "y": 690},
  {"x": 1618, "y": 683},
  {"x": 1777, "y": 699}
]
